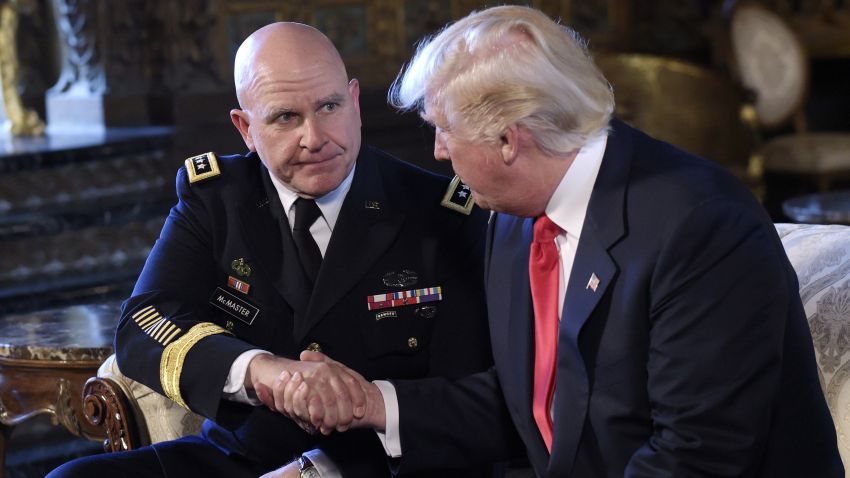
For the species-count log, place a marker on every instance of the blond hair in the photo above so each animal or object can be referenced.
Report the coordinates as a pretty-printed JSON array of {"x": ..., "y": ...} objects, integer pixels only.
[{"x": 509, "y": 65}]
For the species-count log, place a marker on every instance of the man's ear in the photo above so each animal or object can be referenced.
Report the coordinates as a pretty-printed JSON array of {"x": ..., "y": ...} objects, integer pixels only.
[
  {"x": 243, "y": 124},
  {"x": 354, "y": 93},
  {"x": 511, "y": 143}
]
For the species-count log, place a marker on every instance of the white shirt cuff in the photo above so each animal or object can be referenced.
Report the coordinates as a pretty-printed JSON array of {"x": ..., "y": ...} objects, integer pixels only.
[
  {"x": 390, "y": 437},
  {"x": 234, "y": 386},
  {"x": 323, "y": 463}
]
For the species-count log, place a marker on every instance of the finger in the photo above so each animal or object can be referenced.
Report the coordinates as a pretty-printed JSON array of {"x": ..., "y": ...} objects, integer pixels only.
[
  {"x": 354, "y": 383},
  {"x": 265, "y": 395},
  {"x": 310, "y": 407},
  {"x": 287, "y": 395},
  {"x": 343, "y": 404}
]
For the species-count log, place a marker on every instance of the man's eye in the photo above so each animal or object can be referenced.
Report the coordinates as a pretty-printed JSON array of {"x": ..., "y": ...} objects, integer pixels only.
[
  {"x": 328, "y": 107},
  {"x": 286, "y": 117}
]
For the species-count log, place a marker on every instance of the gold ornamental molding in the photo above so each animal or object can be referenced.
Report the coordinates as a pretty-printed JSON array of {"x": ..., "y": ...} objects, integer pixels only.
[{"x": 24, "y": 122}]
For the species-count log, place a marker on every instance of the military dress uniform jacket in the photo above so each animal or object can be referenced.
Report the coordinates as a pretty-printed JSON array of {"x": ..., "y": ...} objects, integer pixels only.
[{"x": 218, "y": 282}]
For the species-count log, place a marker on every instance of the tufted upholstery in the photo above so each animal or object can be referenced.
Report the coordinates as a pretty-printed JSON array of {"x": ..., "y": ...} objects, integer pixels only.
[{"x": 821, "y": 256}]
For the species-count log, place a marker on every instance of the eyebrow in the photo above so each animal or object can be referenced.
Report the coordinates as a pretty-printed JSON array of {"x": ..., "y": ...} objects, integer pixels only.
[{"x": 274, "y": 112}]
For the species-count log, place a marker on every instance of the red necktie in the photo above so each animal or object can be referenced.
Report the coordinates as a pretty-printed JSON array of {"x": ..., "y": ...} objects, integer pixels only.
[{"x": 544, "y": 273}]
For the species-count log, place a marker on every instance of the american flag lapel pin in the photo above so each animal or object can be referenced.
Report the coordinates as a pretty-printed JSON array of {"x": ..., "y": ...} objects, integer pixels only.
[{"x": 593, "y": 283}]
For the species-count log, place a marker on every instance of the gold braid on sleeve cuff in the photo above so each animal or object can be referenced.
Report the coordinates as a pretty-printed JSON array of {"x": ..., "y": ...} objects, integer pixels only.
[{"x": 171, "y": 362}]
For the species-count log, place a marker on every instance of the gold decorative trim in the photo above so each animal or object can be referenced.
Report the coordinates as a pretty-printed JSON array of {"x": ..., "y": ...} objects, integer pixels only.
[
  {"x": 463, "y": 203},
  {"x": 23, "y": 121},
  {"x": 155, "y": 325},
  {"x": 202, "y": 166},
  {"x": 171, "y": 361}
]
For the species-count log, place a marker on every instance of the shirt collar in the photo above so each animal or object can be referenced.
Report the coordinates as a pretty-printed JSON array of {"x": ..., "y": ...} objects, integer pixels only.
[
  {"x": 330, "y": 204},
  {"x": 568, "y": 205}
]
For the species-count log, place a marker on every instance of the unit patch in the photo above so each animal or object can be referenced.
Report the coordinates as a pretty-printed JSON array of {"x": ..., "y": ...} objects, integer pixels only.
[
  {"x": 234, "y": 306},
  {"x": 155, "y": 325},
  {"x": 458, "y": 197},
  {"x": 202, "y": 166},
  {"x": 406, "y": 297}
]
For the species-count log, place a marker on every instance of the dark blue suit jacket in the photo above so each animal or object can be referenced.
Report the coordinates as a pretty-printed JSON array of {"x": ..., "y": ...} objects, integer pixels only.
[{"x": 691, "y": 358}]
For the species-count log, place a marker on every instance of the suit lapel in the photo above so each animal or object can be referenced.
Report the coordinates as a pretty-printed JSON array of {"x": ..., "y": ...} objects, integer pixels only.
[
  {"x": 360, "y": 237},
  {"x": 604, "y": 225}
]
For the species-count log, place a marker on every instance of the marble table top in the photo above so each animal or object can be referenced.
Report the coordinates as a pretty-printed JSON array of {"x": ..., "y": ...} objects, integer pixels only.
[{"x": 74, "y": 333}]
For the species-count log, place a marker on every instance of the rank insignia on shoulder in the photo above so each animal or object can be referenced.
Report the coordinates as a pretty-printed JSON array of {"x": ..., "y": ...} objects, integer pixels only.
[
  {"x": 458, "y": 197},
  {"x": 202, "y": 166}
]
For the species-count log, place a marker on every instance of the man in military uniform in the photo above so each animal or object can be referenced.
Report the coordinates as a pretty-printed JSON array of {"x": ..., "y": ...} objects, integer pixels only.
[{"x": 310, "y": 241}]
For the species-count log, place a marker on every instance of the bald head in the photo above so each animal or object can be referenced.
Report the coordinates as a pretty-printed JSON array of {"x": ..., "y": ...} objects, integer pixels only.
[{"x": 282, "y": 47}]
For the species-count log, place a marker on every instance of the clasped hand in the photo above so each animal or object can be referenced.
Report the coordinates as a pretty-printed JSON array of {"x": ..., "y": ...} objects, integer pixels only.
[{"x": 318, "y": 393}]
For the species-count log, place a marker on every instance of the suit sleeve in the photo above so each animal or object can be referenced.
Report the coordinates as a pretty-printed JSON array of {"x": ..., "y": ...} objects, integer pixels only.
[
  {"x": 720, "y": 295},
  {"x": 166, "y": 338},
  {"x": 447, "y": 423}
]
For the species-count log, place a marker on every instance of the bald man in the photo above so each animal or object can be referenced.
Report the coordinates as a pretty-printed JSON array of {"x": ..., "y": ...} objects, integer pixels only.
[{"x": 309, "y": 241}]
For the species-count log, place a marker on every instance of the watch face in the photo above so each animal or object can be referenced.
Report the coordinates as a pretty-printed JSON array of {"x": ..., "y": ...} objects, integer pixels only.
[{"x": 310, "y": 473}]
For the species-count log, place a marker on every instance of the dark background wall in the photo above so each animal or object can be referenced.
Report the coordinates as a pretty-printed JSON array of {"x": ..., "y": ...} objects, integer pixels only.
[{"x": 80, "y": 220}]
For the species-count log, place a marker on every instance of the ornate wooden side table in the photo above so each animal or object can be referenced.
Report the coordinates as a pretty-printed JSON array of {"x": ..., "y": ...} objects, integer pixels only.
[{"x": 45, "y": 359}]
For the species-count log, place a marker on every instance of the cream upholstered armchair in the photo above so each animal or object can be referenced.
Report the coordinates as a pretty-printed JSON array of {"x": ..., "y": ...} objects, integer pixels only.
[
  {"x": 821, "y": 256},
  {"x": 133, "y": 415}
]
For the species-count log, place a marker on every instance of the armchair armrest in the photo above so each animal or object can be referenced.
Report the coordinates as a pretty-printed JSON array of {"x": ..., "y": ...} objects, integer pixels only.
[
  {"x": 132, "y": 415},
  {"x": 107, "y": 406}
]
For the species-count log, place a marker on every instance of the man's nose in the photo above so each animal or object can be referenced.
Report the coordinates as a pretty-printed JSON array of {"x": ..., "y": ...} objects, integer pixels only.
[
  {"x": 441, "y": 153},
  {"x": 313, "y": 136}
]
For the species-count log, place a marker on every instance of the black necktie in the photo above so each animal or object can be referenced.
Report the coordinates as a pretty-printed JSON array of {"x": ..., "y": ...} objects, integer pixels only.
[{"x": 306, "y": 213}]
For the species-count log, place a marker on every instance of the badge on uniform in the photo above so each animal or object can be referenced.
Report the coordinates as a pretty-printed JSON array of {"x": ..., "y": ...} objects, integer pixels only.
[
  {"x": 241, "y": 267},
  {"x": 458, "y": 197},
  {"x": 202, "y": 166},
  {"x": 237, "y": 284},
  {"x": 386, "y": 314},
  {"x": 405, "y": 297},
  {"x": 405, "y": 278},
  {"x": 234, "y": 306}
]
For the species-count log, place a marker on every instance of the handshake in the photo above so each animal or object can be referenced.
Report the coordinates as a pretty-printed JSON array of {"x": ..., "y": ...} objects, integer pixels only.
[{"x": 319, "y": 394}]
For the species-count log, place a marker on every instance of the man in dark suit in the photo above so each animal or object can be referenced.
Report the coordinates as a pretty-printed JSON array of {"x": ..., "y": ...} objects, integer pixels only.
[
  {"x": 644, "y": 319},
  {"x": 310, "y": 241}
]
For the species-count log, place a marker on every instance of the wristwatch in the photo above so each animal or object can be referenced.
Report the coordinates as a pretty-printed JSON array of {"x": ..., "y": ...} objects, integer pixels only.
[{"x": 307, "y": 468}]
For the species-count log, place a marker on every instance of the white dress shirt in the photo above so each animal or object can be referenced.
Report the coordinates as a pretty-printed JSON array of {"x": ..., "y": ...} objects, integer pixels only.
[{"x": 567, "y": 208}]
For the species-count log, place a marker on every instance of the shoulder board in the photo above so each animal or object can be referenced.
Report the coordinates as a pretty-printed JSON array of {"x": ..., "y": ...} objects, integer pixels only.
[
  {"x": 458, "y": 197},
  {"x": 201, "y": 167}
]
